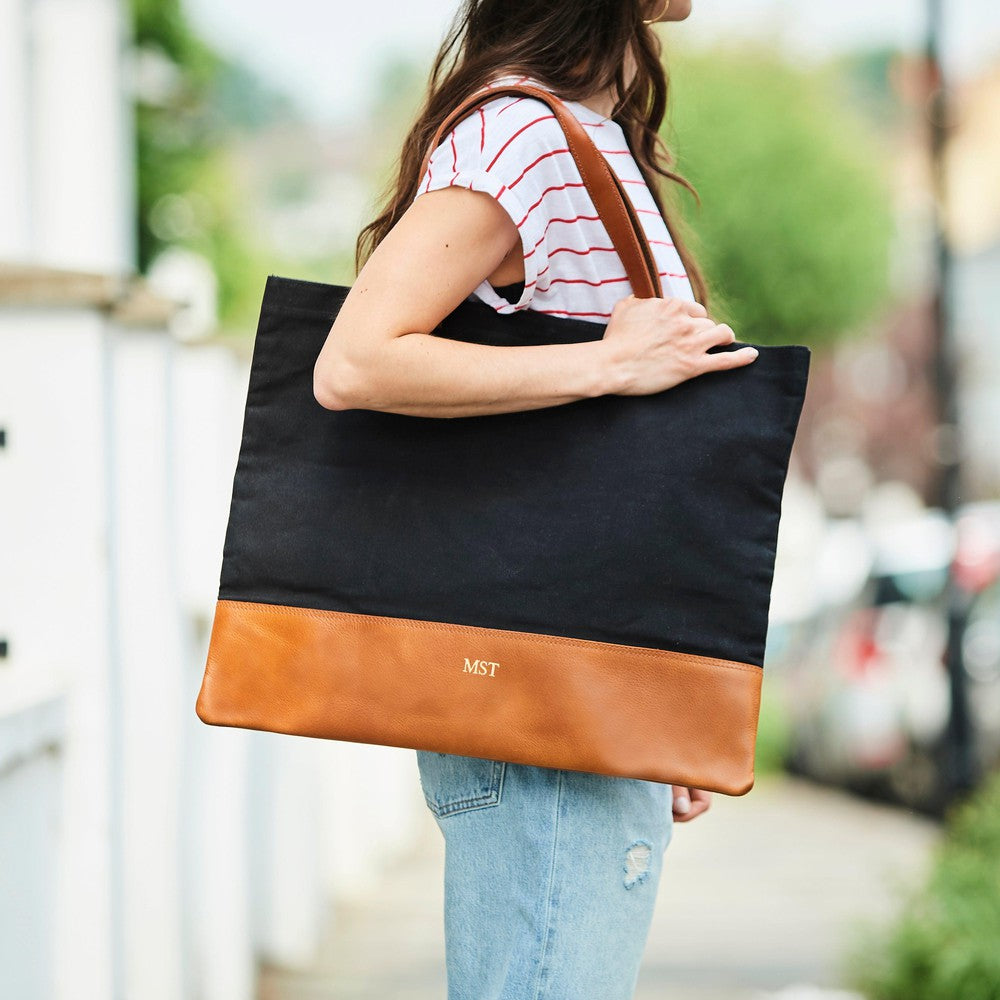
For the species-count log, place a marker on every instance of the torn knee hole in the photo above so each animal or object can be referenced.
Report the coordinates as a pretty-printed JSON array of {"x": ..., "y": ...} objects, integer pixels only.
[{"x": 637, "y": 861}]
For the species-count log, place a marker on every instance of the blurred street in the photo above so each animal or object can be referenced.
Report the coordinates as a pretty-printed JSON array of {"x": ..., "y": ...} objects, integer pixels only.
[{"x": 758, "y": 900}]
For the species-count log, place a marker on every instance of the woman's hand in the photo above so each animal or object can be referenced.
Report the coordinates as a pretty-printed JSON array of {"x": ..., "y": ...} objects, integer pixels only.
[
  {"x": 689, "y": 802},
  {"x": 656, "y": 343}
]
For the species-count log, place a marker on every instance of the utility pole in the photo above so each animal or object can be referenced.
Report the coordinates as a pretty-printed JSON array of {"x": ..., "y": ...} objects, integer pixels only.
[{"x": 960, "y": 760}]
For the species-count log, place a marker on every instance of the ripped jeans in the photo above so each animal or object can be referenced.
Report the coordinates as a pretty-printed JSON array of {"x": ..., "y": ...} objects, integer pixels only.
[{"x": 550, "y": 877}]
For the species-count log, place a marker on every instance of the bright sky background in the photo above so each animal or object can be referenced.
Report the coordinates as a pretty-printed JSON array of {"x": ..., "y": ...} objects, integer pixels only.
[{"x": 326, "y": 53}]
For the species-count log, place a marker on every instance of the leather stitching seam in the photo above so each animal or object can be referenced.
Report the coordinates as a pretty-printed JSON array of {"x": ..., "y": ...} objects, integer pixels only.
[{"x": 535, "y": 637}]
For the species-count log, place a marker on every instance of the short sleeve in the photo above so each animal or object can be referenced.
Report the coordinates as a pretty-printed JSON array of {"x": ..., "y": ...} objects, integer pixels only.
[{"x": 492, "y": 150}]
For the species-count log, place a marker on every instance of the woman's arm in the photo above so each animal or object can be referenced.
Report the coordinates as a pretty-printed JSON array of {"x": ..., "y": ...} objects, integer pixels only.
[{"x": 380, "y": 354}]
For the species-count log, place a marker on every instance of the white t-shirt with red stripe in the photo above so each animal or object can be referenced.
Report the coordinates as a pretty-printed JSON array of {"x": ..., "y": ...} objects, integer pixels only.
[{"x": 514, "y": 149}]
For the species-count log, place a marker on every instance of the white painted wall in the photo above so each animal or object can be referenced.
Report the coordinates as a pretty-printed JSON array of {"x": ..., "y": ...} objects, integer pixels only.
[
  {"x": 66, "y": 159},
  {"x": 15, "y": 113},
  {"x": 54, "y": 603}
]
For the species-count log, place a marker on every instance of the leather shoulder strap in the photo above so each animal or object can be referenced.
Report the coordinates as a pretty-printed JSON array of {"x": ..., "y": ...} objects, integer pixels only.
[{"x": 605, "y": 190}]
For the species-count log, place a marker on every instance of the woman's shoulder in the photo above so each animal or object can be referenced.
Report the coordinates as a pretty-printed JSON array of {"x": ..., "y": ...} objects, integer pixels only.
[{"x": 510, "y": 131}]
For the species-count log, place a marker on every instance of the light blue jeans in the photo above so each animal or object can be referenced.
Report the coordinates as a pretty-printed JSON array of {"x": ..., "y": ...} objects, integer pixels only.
[{"x": 550, "y": 877}]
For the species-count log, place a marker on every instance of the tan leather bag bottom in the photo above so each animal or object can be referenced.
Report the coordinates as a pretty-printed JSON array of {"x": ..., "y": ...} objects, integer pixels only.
[{"x": 522, "y": 697}]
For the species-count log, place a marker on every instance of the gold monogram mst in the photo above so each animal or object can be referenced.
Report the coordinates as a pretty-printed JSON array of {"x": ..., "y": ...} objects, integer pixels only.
[{"x": 484, "y": 667}]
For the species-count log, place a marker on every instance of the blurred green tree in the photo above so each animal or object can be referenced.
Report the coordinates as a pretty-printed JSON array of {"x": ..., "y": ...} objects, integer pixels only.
[
  {"x": 190, "y": 102},
  {"x": 795, "y": 222}
]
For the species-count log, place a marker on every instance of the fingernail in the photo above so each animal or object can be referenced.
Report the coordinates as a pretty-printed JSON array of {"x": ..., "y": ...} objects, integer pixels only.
[
  {"x": 682, "y": 804},
  {"x": 755, "y": 351}
]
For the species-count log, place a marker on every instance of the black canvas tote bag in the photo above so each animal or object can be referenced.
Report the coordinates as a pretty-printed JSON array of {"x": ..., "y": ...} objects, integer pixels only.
[{"x": 582, "y": 586}]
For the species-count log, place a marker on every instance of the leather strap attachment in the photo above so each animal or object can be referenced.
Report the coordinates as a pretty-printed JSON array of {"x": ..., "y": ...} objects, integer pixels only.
[{"x": 605, "y": 190}]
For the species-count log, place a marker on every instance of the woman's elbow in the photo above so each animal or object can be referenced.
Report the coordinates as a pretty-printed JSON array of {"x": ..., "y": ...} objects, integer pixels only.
[{"x": 336, "y": 384}]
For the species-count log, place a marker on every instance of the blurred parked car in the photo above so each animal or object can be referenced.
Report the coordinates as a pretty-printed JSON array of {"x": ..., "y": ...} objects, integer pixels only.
[{"x": 866, "y": 684}]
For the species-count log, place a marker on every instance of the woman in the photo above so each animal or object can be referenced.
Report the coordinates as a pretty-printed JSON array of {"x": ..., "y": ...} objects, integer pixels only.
[{"x": 550, "y": 875}]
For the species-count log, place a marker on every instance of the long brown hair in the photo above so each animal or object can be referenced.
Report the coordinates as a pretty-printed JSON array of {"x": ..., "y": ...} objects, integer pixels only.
[{"x": 575, "y": 49}]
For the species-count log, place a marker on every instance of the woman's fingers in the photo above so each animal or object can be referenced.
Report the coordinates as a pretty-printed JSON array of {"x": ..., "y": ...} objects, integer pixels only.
[
  {"x": 689, "y": 802},
  {"x": 721, "y": 334},
  {"x": 722, "y": 360},
  {"x": 700, "y": 801},
  {"x": 682, "y": 799}
]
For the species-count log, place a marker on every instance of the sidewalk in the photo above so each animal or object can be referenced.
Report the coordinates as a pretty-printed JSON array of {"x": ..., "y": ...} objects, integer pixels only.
[{"x": 757, "y": 897}]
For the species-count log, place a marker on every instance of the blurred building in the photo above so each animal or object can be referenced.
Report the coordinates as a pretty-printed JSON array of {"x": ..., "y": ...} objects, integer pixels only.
[
  {"x": 310, "y": 187},
  {"x": 972, "y": 168},
  {"x": 871, "y": 411},
  {"x": 66, "y": 166}
]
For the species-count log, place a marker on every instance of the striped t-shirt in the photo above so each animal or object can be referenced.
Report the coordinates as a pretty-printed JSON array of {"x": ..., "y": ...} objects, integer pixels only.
[{"x": 514, "y": 149}]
